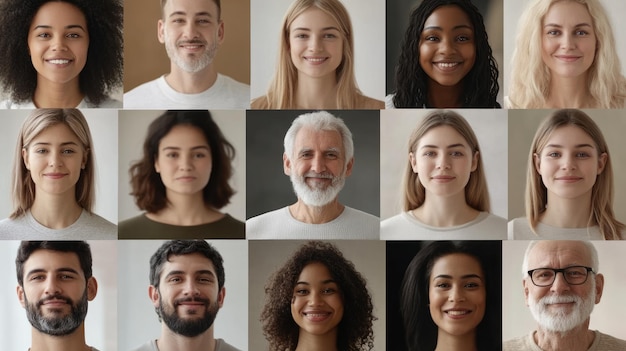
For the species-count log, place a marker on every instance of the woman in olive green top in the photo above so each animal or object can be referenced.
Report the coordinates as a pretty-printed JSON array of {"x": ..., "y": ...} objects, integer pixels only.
[{"x": 182, "y": 181}]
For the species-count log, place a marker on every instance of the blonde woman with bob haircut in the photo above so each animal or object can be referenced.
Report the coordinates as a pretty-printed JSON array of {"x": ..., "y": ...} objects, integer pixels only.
[
  {"x": 315, "y": 68},
  {"x": 445, "y": 189},
  {"x": 565, "y": 57},
  {"x": 53, "y": 180},
  {"x": 569, "y": 182}
]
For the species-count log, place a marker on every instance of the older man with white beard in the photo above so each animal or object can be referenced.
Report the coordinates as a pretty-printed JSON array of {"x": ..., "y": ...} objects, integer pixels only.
[
  {"x": 318, "y": 157},
  {"x": 561, "y": 286}
]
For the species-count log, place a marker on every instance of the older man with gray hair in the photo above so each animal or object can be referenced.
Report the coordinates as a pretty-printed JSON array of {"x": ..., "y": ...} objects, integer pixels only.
[
  {"x": 561, "y": 286},
  {"x": 318, "y": 157}
]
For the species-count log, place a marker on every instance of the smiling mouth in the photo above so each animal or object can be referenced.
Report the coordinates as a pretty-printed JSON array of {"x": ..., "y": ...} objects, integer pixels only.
[
  {"x": 315, "y": 59},
  {"x": 567, "y": 58},
  {"x": 59, "y": 61}
]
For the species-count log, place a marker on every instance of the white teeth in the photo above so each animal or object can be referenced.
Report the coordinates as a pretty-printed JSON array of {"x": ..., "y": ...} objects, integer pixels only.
[
  {"x": 59, "y": 62},
  {"x": 191, "y": 46},
  {"x": 457, "y": 313},
  {"x": 315, "y": 59},
  {"x": 316, "y": 315},
  {"x": 447, "y": 64}
]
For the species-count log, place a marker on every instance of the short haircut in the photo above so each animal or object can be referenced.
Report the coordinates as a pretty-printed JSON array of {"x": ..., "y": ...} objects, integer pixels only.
[
  {"x": 103, "y": 69},
  {"x": 318, "y": 121},
  {"x": 148, "y": 188},
  {"x": 591, "y": 249},
  {"x": 185, "y": 247},
  {"x": 38, "y": 121},
  {"x": 80, "y": 248},
  {"x": 217, "y": 3}
]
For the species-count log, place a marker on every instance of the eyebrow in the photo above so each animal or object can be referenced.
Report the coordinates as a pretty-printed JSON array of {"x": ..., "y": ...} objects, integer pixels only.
[
  {"x": 446, "y": 276},
  {"x": 62, "y": 144},
  {"x": 200, "y": 272},
  {"x": 560, "y": 26},
  {"x": 461, "y": 26},
  {"x": 183, "y": 13},
  {"x": 327, "y": 281},
  {"x": 58, "y": 270},
  {"x": 71, "y": 26},
  {"x": 178, "y": 148},
  {"x": 577, "y": 146},
  {"x": 309, "y": 29},
  {"x": 447, "y": 147}
]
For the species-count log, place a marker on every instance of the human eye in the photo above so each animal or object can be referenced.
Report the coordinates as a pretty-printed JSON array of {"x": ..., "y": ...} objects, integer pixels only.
[
  {"x": 73, "y": 35},
  {"x": 41, "y": 151},
  {"x": 553, "y": 32},
  {"x": 430, "y": 154},
  {"x": 582, "y": 154},
  {"x": 456, "y": 153},
  {"x": 329, "y": 291},
  {"x": 171, "y": 155},
  {"x": 178, "y": 20},
  {"x": 581, "y": 32},
  {"x": 37, "y": 277},
  {"x": 301, "y": 292},
  {"x": 432, "y": 38},
  {"x": 199, "y": 155},
  {"x": 68, "y": 151},
  {"x": 330, "y": 35},
  {"x": 553, "y": 154},
  {"x": 472, "y": 285},
  {"x": 464, "y": 38}
]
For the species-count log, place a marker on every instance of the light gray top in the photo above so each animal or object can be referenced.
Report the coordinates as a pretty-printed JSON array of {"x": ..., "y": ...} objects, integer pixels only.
[
  {"x": 519, "y": 229},
  {"x": 87, "y": 227},
  {"x": 601, "y": 342},
  {"x": 220, "y": 345},
  {"x": 279, "y": 224},
  {"x": 107, "y": 103}
]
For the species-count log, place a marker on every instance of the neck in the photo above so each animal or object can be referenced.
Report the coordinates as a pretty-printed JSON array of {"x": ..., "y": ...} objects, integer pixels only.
[
  {"x": 185, "y": 210},
  {"x": 72, "y": 342},
  {"x": 56, "y": 211},
  {"x": 316, "y": 93},
  {"x": 440, "y": 96},
  {"x": 170, "y": 341},
  {"x": 571, "y": 92},
  {"x": 316, "y": 215},
  {"x": 447, "y": 342},
  {"x": 450, "y": 211},
  {"x": 310, "y": 342},
  {"x": 57, "y": 95},
  {"x": 567, "y": 213},
  {"x": 577, "y": 339},
  {"x": 191, "y": 83}
]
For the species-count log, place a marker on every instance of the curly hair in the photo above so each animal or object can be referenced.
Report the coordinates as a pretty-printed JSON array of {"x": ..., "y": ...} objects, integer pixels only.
[
  {"x": 480, "y": 85},
  {"x": 420, "y": 330},
  {"x": 103, "y": 70},
  {"x": 148, "y": 188},
  {"x": 355, "y": 329}
]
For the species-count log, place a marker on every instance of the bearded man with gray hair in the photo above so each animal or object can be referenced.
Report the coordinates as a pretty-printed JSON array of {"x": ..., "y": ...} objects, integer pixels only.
[
  {"x": 318, "y": 157},
  {"x": 561, "y": 286}
]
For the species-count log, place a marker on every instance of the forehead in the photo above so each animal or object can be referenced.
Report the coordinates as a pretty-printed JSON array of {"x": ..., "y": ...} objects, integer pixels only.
[
  {"x": 58, "y": 131},
  {"x": 456, "y": 265},
  {"x": 188, "y": 264},
  {"x": 58, "y": 12},
  {"x": 49, "y": 261},
  {"x": 443, "y": 135},
  {"x": 184, "y": 134},
  {"x": 308, "y": 137},
  {"x": 191, "y": 7},
  {"x": 314, "y": 272},
  {"x": 569, "y": 134},
  {"x": 567, "y": 13},
  {"x": 558, "y": 254},
  {"x": 313, "y": 17},
  {"x": 447, "y": 17}
]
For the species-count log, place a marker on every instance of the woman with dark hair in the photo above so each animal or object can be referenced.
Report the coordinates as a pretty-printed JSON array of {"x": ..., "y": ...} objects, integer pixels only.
[
  {"x": 182, "y": 181},
  {"x": 318, "y": 301},
  {"x": 445, "y": 59},
  {"x": 62, "y": 54},
  {"x": 450, "y": 297}
]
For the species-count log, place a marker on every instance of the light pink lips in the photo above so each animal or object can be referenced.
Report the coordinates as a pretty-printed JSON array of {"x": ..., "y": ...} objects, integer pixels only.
[
  {"x": 569, "y": 179},
  {"x": 315, "y": 60},
  {"x": 443, "y": 178},
  {"x": 55, "y": 175},
  {"x": 568, "y": 58},
  {"x": 186, "y": 178},
  {"x": 457, "y": 313},
  {"x": 316, "y": 316},
  {"x": 55, "y": 303}
]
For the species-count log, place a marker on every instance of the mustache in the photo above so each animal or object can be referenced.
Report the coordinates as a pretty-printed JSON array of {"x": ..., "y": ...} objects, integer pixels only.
[
  {"x": 193, "y": 41},
  {"x": 324, "y": 175},
  {"x": 55, "y": 297},
  {"x": 191, "y": 299},
  {"x": 548, "y": 300}
]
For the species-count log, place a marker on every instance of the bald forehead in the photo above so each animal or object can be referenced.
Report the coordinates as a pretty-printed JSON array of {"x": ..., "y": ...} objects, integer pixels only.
[{"x": 559, "y": 254}]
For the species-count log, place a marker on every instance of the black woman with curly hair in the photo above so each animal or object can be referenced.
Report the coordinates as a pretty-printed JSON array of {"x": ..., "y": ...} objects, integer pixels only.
[
  {"x": 61, "y": 54},
  {"x": 445, "y": 59},
  {"x": 318, "y": 301}
]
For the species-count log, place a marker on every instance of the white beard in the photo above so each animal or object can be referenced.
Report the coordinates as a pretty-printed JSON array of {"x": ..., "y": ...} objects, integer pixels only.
[
  {"x": 317, "y": 196},
  {"x": 562, "y": 321},
  {"x": 190, "y": 64}
]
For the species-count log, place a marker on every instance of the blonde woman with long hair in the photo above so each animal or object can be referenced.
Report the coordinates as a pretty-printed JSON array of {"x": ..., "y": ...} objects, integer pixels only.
[
  {"x": 315, "y": 68},
  {"x": 445, "y": 189},
  {"x": 569, "y": 182},
  {"x": 565, "y": 57}
]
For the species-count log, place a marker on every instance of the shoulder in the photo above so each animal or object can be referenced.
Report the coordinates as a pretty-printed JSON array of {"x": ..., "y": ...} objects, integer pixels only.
[
  {"x": 12, "y": 105},
  {"x": 607, "y": 342},
  {"x": 148, "y": 346},
  {"x": 519, "y": 228},
  {"x": 368, "y": 103},
  {"x": 136, "y": 96},
  {"x": 521, "y": 343},
  {"x": 355, "y": 214},
  {"x": 106, "y": 103},
  {"x": 269, "y": 224},
  {"x": 221, "y": 345},
  {"x": 260, "y": 103},
  {"x": 389, "y": 101},
  {"x": 232, "y": 84},
  {"x": 96, "y": 227}
]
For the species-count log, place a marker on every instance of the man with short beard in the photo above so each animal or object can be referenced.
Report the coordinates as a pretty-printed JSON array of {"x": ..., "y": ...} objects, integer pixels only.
[
  {"x": 192, "y": 32},
  {"x": 561, "y": 286},
  {"x": 55, "y": 283},
  {"x": 318, "y": 157},
  {"x": 187, "y": 290}
]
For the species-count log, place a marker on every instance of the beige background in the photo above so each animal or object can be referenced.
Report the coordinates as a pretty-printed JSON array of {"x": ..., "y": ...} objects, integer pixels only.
[{"x": 145, "y": 58}]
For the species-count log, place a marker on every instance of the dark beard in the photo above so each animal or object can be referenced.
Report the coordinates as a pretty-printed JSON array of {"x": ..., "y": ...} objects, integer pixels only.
[
  {"x": 57, "y": 325},
  {"x": 185, "y": 326}
]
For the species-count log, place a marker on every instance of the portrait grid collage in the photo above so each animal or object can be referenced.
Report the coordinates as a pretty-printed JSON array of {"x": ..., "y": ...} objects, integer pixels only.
[{"x": 313, "y": 175}]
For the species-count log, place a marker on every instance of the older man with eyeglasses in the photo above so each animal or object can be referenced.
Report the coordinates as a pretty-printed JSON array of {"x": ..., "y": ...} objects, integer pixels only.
[{"x": 561, "y": 286}]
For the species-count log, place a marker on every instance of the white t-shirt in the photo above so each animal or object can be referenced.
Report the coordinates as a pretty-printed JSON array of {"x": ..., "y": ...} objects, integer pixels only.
[
  {"x": 519, "y": 229},
  {"x": 389, "y": 101},
  {"x": 87, "y": 227},
  {"x": 405, "y": 226},
  {"x": 225, "y": 93},
  {"x": 107, "y": 103}
]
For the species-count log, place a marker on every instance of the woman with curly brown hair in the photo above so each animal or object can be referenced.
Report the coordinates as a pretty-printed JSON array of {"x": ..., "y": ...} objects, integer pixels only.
[{"x": 318, "y": 301}]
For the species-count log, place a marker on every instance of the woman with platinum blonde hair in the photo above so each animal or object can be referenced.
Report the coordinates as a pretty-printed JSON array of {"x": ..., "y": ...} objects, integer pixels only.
[
  {"x": 565, "y": 57},
  {"x": 315, "y": 67},
  {"x": 445, "y": 189},
  {"x": 569, "y": 182},
  {"x": 53, "y": 180}
]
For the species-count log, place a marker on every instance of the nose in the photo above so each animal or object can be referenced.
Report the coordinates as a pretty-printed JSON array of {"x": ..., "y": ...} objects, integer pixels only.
[
  {"x": 456, "y": 294},
  {"x": 190, "y": 31},
  {"x": 55, "y": 159},
  {"x": 191, "y": 288},
  {"x": 317, "y": 164},
  {"x": 315, "y": 43},
  {"x": 185, "y": 163},
  {"x": 52, "y": 287},
  {"x": 443, "y": 161},
  {"x": 315, "y": 299},
  {"x": 446, "y": 46},
  {"x": 559, "y": 284},
  {"x": 568, "y": 162},
  {"x": 58, "y": 43},
  {"x": 568, "y": 41}
]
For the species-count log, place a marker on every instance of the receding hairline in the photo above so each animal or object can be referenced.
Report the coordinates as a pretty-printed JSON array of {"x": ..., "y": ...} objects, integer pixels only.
[{"x": 216, "y": 2}]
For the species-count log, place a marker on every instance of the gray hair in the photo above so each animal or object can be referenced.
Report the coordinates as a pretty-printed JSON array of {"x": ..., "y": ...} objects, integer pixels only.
[
  {"x": 595, "y": 263},
  {"x": 318, "y": 121}
]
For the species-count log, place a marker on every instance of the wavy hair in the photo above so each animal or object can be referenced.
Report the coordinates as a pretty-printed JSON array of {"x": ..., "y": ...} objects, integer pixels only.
[
  {"x": 420, "y": 330},
  {"x": 602, "y": 191},
  {"x": 103, "y": 70},
  {"x": 476, "y": 192},
  {"x": 282, "y": 91},
  {"x": 355, "y": 329},
  {"x": 148, "y": 188},
  {"x": 480, "y": 85},
  {"x": 530, "y": 77},
  {"x": 38, "y": 121}
]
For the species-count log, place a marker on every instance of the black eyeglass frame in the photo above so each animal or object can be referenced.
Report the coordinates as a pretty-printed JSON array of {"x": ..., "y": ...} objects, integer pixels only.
[{"x": 560, "y": 270}]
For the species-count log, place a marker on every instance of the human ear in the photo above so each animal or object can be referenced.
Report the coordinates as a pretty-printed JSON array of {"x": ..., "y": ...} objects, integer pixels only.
[
  {"x": 413, "y": 162},
  {"x": 160, "y": 31},
  {"x": 25, "y": 158},
  {"x": 153, "y": 293},
  {"x": 92, "y": 288},
  {"x": 20, "y": 295},
  {"x": 286, "y": 164},
  {"x": 220, "y": 32},
  {"x": 537, "y": 161},
  {"x": 475, "y": 161},
  {"x": 602, "y": 162},
  {"x": 220, "y": 297},
  {"x": 599, "y": 286},
  {"x": 526, "y": 291},
  {"x": 349, "y": 167},
  {"x": 157, "y": 168},
  {"x": 85, "y": 158}
]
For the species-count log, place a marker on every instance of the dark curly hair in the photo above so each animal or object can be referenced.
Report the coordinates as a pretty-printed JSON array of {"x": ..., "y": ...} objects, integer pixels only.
[
  {"x": 480, "y": 85},
  {"x": 355, "y": 329},
  {"x": 103, "y": 70},
  {"x": 420, "y": 330},
  {"x": 148, "y": 188}
]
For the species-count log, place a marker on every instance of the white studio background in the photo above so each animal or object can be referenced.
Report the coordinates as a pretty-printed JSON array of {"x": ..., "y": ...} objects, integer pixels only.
[
  {"x": 607, "y": 316},
  {"x": 103, "y": 126},
  {"x": 368, "y": 24},
  {"x": 514, "y": 8},
  {"x": 101, "y": 321},
  {"x": 133, "y": 127},
  {"x": 396, "y": 127},
  {"x": 138, "y": 322}
]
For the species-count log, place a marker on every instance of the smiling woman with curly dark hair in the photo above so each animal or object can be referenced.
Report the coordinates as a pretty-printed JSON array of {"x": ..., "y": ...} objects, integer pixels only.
[
  {"x": 61, "y": 54},
  {"x": 317, "y": 298}
]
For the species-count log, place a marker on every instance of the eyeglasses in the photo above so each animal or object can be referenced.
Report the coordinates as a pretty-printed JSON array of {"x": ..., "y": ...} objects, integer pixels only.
[{"x": 574, "y": 275}]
